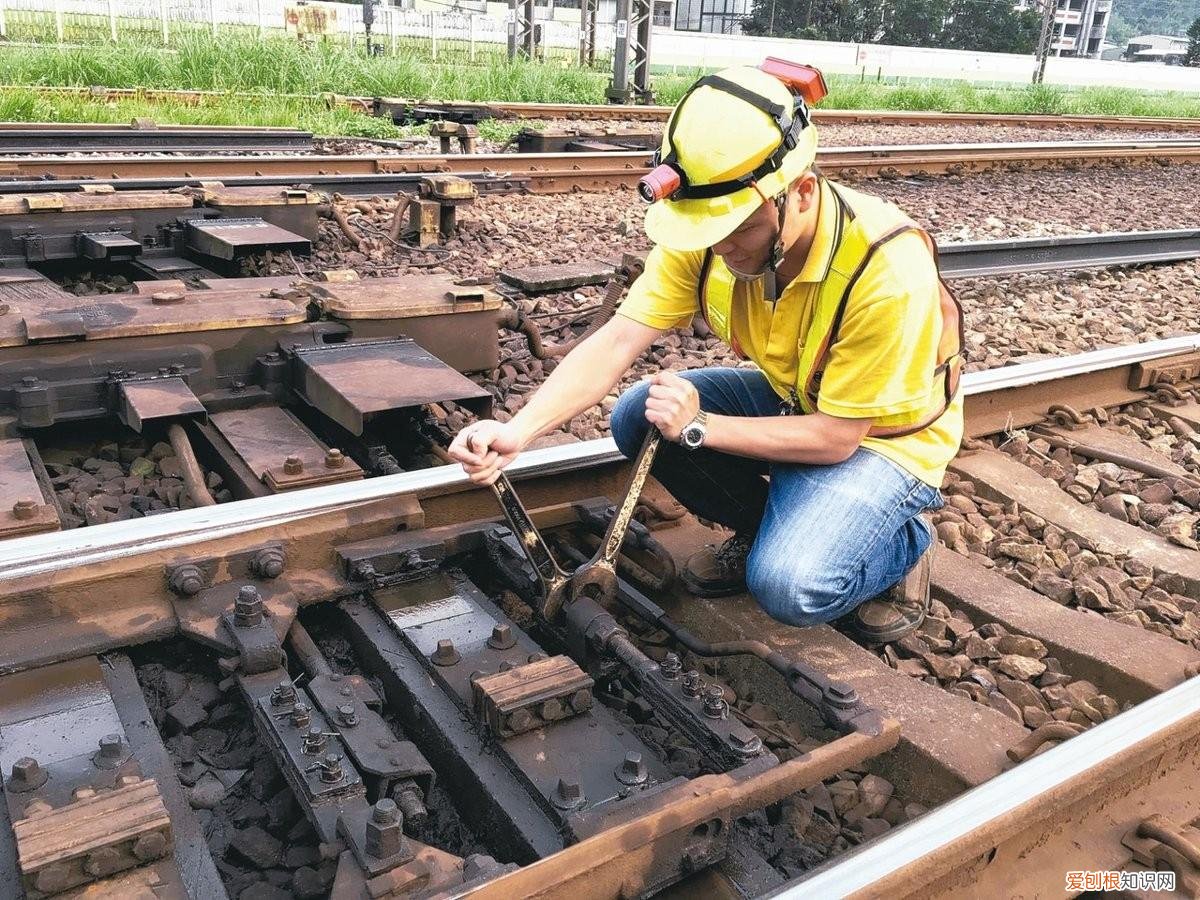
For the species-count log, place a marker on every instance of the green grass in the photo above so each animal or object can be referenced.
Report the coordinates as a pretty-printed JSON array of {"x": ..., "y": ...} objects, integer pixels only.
[{"x": 268, "y": 68}]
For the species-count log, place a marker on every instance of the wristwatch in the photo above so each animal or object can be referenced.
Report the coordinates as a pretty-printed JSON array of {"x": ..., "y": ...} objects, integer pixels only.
[{"x": 694, "y": 432}]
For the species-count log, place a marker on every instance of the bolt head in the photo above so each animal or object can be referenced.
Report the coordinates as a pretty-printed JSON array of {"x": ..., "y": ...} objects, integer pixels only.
[
  {"x": 24, "y": 509},
  {"x": 187, "y": 580},
  {"x": 29, "y": 381},
  {"x": 446, "y": 654},
  {"x": 111, "y": 746},
  {"x": 632, "y": 769},
  {"x": 334, "y": 459},
  {"x": 581, "y": 700},
  {"x": 502, "y": 637},
  {"x": 268, "y": 563},
  {"x": 569, "y": 793},
  {"x": 27, "y": 770},
  {"x": 248, "y": 593}
]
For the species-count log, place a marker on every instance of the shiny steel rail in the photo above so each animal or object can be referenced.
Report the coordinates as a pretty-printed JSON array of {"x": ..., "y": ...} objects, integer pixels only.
[
  {"x": 597, "y": 111},
  {"x": 1045, "y": 792},
  {"x": 985, "y": 401},
  {"x": 556, "y": 172}
]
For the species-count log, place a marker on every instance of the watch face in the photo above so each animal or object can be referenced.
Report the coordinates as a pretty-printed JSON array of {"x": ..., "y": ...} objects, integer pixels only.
[{"x": 692, "y": 436}]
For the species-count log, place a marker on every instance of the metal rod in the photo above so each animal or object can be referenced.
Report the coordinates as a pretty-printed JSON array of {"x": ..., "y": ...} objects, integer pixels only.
[
  {"x": 193, "y": 475},
  {"x": 307, "y": 651}
]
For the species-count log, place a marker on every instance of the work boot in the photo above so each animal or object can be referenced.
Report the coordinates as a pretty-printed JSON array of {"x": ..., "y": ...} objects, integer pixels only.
[
  {"x": 898, "y": 612},
  {"x": 718, "y": 571}
]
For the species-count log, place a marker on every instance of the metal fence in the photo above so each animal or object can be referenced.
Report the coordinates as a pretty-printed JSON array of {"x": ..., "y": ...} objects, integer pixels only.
[{"x": 444, "y": 36}]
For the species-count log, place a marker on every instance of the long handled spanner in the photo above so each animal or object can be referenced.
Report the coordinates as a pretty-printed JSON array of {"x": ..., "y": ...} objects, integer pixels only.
[{"x": 598, "y": 576}]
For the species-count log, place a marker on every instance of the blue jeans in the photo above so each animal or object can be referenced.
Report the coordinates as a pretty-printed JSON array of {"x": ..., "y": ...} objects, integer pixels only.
[{"x": 826, "y": 537}]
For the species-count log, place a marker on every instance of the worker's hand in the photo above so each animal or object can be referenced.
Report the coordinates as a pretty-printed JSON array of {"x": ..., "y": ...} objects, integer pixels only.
[
  {"x": 672, "y": 404},
  {"x": 485, "y": 447}
]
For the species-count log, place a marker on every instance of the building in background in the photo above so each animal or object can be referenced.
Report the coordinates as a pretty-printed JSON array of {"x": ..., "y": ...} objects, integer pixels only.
[
  {"x": 1080, "y": 26},
  {"x": 1160, "y": 48},
  {"x": 712, "y": 16}
]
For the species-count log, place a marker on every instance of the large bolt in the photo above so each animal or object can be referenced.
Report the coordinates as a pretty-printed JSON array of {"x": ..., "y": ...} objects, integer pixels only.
[
  {"x": 54, "y": 878},
  {"x": 103, "y": 861},
  {"x": 300, "y": 716},
  {"x": 568, "y": 794},
  {"x": 314, "y": 741},
  {"x": 334, "y": 458},
  {"x": 581, "y": 700},
  {"x": 412, "y": 806},
  {"x": 840, "y": 694},
  {"x": 112, "y": 752},
  {"x": 714, "y": 702},
  {"x": 293, "y": 465},
  {"x": 520, "y": 720},
  {"x": 346, "y": 716},
  {"x": 385, "y": 830},
  {"x": 502, "y": 637},
  {"x": 27, "y": 774},
  {"x": 552, "y": 710},
  {"x": 248, "y": 609},
  {"x": 267, "y": 563},
  {"x": 186, "y": 580},
  {"x": 331, "y": 768},
  {"x": 24, "y": 509},
  {"x": 670, "y": 667},
  {"x": 692, "y": 684},
  {"x": 445, "y": 654},
  {"x": 150, "y": 846},
  {"x": 29, "y": 381},
  {"x": 283, "y": 694},
  {"x": 744, "y": 741},
  {"x": 166, "y": 297},
  {"x": 632, "y": 769}
]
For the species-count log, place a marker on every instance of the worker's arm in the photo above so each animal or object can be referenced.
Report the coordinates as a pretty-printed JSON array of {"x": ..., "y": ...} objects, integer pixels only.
[
  {"x": 817, "y": 438},
  {"x": 579, "y": 382}
]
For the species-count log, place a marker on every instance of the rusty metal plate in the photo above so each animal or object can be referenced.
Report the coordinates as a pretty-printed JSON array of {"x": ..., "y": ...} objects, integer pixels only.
[
  {"x": 89, "y": 201},
  {"x": 1172, "y": 370},
  {"x": 402, "y": 297},
  {"x": 23, "y": 509},
  {"x": 231, "y": 239},
  {"x": 352, "y": 382},
  {"x": 533, "y": 279},
  {"x": 231, "y": 198},
  {"x": 265, "y": 436},
  {"x": 49, "y": 313},
  {"x": 158, "y": 398}
]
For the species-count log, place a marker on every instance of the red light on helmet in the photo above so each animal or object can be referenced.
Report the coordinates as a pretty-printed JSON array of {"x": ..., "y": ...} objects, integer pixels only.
[
  {"x": 806, "y": 81},
  {"x": 659, "y": 184}
]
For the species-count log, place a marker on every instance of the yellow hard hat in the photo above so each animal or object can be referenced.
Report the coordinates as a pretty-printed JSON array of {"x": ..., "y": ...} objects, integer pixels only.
[{"x": 726, "y": 138}]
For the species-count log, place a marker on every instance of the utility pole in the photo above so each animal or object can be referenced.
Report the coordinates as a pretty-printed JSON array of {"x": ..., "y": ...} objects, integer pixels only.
[{"x": 1049, "y": 7}]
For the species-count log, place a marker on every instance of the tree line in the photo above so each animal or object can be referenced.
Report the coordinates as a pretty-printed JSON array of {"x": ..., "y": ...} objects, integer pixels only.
[{"x": 985, "y": 25}]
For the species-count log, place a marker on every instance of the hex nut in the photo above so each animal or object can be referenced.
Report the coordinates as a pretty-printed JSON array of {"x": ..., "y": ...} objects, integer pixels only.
[
  {"x": 186, "y": 580},
  {"x": 24, "y": 509},
  {"x": 150, "y": 846},
  {"x": 293, "y": 465},
  {"x": 334, "y": 458},
  {"x": 268, "y": 563}
]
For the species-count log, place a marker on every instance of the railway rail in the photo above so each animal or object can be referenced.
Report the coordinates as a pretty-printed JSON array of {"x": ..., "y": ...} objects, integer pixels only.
[
  {"x": 359, "y": 687},
  {"x": 338, "y": 548},
  {"x": 554, "y": 172},
  {"x": 143, "y": 136},
  {"x": 467, "y": 111}
]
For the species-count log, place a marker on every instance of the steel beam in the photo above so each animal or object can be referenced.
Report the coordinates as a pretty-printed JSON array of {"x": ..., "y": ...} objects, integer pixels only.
[
  {"x": 1019, "y": 833},
  {"x": 27, "y": 556},
  {"x": 1084, "y": 251}
]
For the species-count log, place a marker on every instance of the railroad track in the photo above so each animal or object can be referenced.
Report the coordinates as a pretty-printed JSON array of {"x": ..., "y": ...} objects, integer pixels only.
[
  {"x": 144, "y": 136},
  {"x": 552, "y": 172},
  {"x": 1009, "y": 813},
  {"x": 606, "y": 112}
]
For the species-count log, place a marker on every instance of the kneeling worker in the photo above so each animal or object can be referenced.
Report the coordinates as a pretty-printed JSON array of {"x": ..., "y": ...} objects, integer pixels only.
[{"x": 821, "y": 457}]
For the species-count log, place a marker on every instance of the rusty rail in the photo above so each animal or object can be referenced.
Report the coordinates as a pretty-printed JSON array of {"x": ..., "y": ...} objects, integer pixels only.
[
  {"x": 1012, "y": 835},
  {"x": 560, "y": 172}
]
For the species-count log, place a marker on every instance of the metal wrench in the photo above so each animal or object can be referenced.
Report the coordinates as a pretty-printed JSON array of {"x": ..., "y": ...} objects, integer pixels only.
[{"x": 597, "y": 577}]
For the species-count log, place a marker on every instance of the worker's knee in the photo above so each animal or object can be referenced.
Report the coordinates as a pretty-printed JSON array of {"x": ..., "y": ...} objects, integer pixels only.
[
  {"x": 795, "y": 592},
  {"x": 628, "y": 419}
]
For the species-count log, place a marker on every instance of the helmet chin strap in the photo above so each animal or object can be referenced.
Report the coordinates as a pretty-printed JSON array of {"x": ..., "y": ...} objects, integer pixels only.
[{"x": 775, "y": 258}]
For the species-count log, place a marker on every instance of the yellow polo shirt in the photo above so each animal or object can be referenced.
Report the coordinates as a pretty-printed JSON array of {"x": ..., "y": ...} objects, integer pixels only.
[{"x": 881, "y": 364}]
